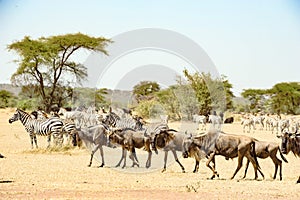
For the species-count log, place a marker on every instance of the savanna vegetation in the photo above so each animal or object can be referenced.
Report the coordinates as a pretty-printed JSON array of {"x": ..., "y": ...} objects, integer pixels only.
[
  {"x": 47, "y": 71},
  {"x": 47, "y": 66}
]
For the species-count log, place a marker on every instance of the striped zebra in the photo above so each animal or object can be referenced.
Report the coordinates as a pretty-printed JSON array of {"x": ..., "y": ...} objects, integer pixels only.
[
  {"x": 113, "y": 120},
  {"x": 47, "y": 127},
  {"x": 67, "y": 128}
]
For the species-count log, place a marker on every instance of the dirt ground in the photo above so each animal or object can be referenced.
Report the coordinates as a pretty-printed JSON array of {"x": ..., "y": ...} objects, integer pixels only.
[{"x": 44, "y": 174}]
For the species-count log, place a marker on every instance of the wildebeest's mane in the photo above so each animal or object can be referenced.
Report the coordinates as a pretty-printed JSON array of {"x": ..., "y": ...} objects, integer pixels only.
[
  {"x": 206, "y": 141},
  {"x": 170, "y": 136},
  {"x": 127, "y": 129},
  {"x": 164, "y": 137}
]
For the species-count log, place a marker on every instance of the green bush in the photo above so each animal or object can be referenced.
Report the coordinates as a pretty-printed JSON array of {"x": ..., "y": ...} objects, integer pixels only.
[
  {"x": 7, "y": 99},
  {"x": 149, "y": 109},
  {"x": 27, "y": 104}
]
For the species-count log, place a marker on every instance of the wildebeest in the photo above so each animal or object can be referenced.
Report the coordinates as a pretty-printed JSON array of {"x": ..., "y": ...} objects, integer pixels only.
[
  {"x": 130, "y": 139},
  {"x": 229, "y": 120},
  {"x": 264, "y": 149},
  {"x": 1, "y": 156},
  {"x": 168, "y": 140},
  {"x": 94, "y": 138},
  {"x": 290, "y": 142},
  {"x": 228, "y": 145},
  {"x": 190, "y": 149}
]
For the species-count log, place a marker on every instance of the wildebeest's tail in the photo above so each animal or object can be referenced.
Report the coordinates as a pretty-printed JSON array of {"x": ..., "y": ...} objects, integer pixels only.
[
  {"x": 254, "y": 154},
  {"x": 281, "y": 155}
]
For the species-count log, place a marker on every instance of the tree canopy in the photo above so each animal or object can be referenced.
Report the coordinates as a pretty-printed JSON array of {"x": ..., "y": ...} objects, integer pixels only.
[
  {"x": 285, "y": 97},
  {"x": 211, "y": 93},
  {"x": 48, "y": 63},
  {"x": 282, "y": 98},
  {"x": 145, "y": 90}
]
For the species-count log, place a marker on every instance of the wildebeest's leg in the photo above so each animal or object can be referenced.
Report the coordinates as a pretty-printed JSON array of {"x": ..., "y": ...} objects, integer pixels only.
[
  {"x": 240, "y": 162},
  {"x": 277, "y": 163},
  {"x": 211, "y": 158},
  {"x": 196, "y": 166},
  {"x": 102, "y": 156},
  {"x": 92, "y": 154},
  {"x": 122, "y": 157},
  {"x": 165, "y": 161},
  {"x": 247, "y": 165},
  {"x": 132, "y": 156},
  {"x": 254, "y": 163},
  {"x": 148, "y": 163},
  {"x": 177, "y": 160},
  {"x": 148, "y": 149}
]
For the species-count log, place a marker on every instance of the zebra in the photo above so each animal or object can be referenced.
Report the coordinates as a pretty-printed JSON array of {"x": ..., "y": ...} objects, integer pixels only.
[
  {"x": 67, "y": 128},
  {"x": 259, "y": 120},
  {"x": 248, "y": 122},
  {"x": 200, "y": 119},
  {"x": 47, "y": 127},
  {"x": 113, "y": 120},
  {"x": 216, "y": 121}
]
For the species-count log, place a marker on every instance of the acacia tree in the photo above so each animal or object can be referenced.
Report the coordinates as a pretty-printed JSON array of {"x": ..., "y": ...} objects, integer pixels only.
[
  {"x": 145, "y": 90},
  {"x": 212, "y": 94},
  {"x": 285, "y": 97},
  {"x": 282, "y": 98},
  {"x": 47, "y": 63},
  {"x": 256, "y": 98}
]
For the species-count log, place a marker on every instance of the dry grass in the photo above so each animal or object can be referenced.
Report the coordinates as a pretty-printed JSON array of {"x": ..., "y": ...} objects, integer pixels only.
[{"x": 65, "y": 149}]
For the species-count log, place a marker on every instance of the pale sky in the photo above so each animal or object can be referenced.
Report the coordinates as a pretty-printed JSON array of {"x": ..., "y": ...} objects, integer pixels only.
[{"x": 256, "y": 44}]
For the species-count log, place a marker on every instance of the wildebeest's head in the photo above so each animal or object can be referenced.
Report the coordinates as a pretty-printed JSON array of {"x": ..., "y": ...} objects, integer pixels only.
[
  {"x": 187, "y": 141},
  {"x": 286, "y": 142},
  {"x": 76, "y": 140},
  {"x": 115, "y": 135}
]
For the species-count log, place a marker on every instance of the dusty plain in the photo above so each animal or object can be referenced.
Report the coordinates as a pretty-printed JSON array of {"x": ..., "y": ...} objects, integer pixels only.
[{"x": 46, "y": 174}]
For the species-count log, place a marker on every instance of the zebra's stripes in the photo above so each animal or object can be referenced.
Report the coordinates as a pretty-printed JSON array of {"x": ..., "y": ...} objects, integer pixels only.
[
  {"x": 47, "y": 127},
  {"x": 113, "y": 120},
  {"x": 68, "y": 130}
]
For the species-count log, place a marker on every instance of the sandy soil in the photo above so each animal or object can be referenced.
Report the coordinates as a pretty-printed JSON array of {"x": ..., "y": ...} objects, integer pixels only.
[{"x": 44, "y": 174}]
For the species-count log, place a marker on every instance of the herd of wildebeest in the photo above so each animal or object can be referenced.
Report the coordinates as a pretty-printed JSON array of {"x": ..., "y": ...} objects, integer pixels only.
[{"x": 120, "y": 128}]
